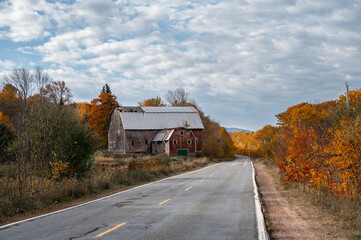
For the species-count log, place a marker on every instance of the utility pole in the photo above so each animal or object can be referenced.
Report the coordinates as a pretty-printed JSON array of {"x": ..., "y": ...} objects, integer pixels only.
[{"x": 347, "y": 98}]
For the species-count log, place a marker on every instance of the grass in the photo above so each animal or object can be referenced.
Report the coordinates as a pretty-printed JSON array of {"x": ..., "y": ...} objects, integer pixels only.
[
  {"x": 111, "y": 172},
  {"x": 347, "y": 213}
]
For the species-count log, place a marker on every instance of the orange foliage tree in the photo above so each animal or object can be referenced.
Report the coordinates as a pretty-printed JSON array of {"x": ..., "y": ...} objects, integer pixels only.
[
  {"x": 152, "y": 102},
  {"x": 315, "y": 144},
  {"x": 98, "y": 116}
]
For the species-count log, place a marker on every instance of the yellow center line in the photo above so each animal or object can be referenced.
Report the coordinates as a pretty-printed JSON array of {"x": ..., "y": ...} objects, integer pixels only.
[
  {"x": 202, "y": 181},
  {"x": 188, "y": 189},
  {"x": 164, "y": 202},
  {"x": 108, "y": 231}
]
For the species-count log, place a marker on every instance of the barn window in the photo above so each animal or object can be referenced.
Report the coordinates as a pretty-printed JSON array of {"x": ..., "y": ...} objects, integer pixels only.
[
  {"x": 175, "y": 142},
  {"x": 196, "y": 140},
  {"x": 133, "y": 143},
  {"x": 146, "y": 142},
  {"x": 189, "y": 141},
  {"x": 182, "y": 133}
]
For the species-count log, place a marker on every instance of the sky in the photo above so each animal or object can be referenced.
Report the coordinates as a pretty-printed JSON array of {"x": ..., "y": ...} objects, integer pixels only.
[{"x": 243, "y": 62}]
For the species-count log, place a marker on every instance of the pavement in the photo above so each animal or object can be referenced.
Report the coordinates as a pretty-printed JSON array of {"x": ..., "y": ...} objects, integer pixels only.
[{"x": 216, "y": 202}]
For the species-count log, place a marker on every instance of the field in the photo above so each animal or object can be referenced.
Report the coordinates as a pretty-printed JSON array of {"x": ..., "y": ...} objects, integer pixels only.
[{"x": 110, "y": 173}]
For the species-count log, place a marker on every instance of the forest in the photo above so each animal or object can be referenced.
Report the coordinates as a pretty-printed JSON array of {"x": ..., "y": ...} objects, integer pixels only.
[
  {"x": 316, "y": 145},
  {"x": 48, "y": 143}
]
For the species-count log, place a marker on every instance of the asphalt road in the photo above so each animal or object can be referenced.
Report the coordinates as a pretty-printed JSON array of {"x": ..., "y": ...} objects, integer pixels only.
[{"x": 216, "y": 202}]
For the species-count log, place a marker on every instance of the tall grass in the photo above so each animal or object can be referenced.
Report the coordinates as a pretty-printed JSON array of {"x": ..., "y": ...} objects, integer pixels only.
[{"x": 110, "y": 171}]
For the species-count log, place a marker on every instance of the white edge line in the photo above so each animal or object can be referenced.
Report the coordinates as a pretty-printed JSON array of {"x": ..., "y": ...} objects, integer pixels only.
[
  {"x": 99, "y": 199},
  {"x": 261, "y": 226}
]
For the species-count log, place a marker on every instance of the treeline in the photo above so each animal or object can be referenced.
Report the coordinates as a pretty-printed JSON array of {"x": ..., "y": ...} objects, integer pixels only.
[
  {"x": 48, "y": 137},
  {"x": 318, "y": 145}
]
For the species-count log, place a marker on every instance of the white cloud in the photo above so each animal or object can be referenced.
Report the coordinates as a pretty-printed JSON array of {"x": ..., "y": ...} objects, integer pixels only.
[
  {"x": 241, "y": 54},
  {"x": 24, "y": 20},
  {"x": 6, "y": 65}
]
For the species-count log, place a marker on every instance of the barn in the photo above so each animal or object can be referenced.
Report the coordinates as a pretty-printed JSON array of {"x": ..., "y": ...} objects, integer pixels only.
[{"x": 155, "y": 130}]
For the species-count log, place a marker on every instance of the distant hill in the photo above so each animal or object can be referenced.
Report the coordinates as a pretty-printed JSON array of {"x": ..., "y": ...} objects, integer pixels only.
[{"x": 234, "y": 130}]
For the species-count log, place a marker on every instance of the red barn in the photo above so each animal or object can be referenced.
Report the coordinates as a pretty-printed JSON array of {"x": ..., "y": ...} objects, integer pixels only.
[{"x": 156, "y": 130}]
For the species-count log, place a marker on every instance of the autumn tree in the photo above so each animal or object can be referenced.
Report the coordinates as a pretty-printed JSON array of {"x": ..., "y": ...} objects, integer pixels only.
[
  {"x": 9, "y": 102},
  {"x": 99, "y": 113},
  {"x": 152, "y": 102},
  {"x": 40, "y": 130},
  {"x": 56, "y": 92},
  {"x": 82, "y": 110}
]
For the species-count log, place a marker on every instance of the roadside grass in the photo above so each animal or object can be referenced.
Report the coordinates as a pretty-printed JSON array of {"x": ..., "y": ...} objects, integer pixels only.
[
  {"x": 110, "y": 172},
  {"x": 345, "y": 213}
]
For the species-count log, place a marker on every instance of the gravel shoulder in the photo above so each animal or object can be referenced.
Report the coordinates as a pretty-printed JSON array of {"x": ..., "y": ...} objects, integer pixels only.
[{"x": 289, "y": 215}]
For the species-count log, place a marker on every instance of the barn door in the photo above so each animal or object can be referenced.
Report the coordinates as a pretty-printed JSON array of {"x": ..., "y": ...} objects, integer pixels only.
[{"x": 183, "y": 152}]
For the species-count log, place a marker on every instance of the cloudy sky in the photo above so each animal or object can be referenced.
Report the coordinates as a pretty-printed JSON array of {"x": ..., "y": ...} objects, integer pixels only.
[{"x": 242, "y": 61}]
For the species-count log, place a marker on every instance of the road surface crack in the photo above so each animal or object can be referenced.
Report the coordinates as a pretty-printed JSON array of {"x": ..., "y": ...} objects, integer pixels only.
[{"x": 84, "y": 234}]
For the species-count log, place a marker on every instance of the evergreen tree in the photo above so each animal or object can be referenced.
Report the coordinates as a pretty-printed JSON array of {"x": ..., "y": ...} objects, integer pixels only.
[{"x": 106, "y": 89}]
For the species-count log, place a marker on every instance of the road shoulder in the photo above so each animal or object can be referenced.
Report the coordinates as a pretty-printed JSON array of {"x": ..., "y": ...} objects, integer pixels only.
[{"x": 289, "y": 216}]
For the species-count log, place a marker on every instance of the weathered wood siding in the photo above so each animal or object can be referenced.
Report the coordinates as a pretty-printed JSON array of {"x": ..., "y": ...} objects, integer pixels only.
[
  {"x": 160, "y": 148},
  {"x": 136, "y": 140},
  {"x": 115, "y": 133}
]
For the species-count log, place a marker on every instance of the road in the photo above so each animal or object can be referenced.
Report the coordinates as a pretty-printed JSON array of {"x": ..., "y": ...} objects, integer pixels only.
[{"x": 216, "y": 202}]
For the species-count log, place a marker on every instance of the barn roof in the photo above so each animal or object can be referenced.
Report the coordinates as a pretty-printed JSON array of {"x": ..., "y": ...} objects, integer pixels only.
[
  {"x": 169, "y": 109},
  {"x": 163, "y": 135},
  {"x": 158, "y": 118}
]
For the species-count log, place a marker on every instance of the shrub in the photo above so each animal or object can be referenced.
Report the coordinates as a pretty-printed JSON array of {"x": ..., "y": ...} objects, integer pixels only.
[
  {"x": 76, "y": 145},
  {"x": 6, "y": 137}
]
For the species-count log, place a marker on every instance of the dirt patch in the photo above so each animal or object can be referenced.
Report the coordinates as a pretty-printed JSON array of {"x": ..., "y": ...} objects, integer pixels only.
[{"x": 290, "y": 215}]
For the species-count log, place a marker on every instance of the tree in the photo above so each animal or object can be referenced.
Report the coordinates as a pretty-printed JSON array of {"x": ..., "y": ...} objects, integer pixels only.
[
  {"x": 99, "y": 113},
  {"x": 41, "y": 78},
  {"x": 152, "y": 102},
  {"x": 6, "y": 138},
  {"x": 179, "y": 97},
  {"x": 82, "y": 110},
  {"x": 22, "y": 79},
  {"x": 9, "y": 102},
  {"x": 106, "y": 89},
  {"x": 57, "y": 92}
]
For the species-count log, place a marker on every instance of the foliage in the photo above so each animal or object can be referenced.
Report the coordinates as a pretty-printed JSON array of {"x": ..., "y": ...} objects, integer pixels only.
[
  {"x": 98, "y": 115},
  {"x": 37, "y": 128},
  {"x": 9, "y": 103},
  {"x": 106, "y": 89},
  {"x": 152, "y": 102},
  {"x": 58, "y": 168},
  {"x": 315, "y": 144},
  {"x": 6, "y": 138},
  {"x": 76, "y": 146},
  {"x": 57, "y": 93}
]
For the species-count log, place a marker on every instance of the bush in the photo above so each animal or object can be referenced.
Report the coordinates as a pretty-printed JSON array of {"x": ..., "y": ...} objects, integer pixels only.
[
  {"x": 6, "y": 137},
  {"x": 76, "y": 145}
]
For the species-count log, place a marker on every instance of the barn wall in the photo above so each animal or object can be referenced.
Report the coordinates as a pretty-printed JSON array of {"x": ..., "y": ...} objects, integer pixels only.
[
  {"x": 138, "y": 137},
  {"x": 182, "y": 141},
  {"x": 115, "y": 133},
  {"x": 199, "y": 134},
  {"x": 159, "y": 148}
]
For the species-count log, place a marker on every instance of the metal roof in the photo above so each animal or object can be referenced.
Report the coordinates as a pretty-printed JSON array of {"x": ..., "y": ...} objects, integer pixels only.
[
  {"x": 152, "y": 119},
  {"x": 168, "y": 109},
  {"x": 163, "y": 135}
]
